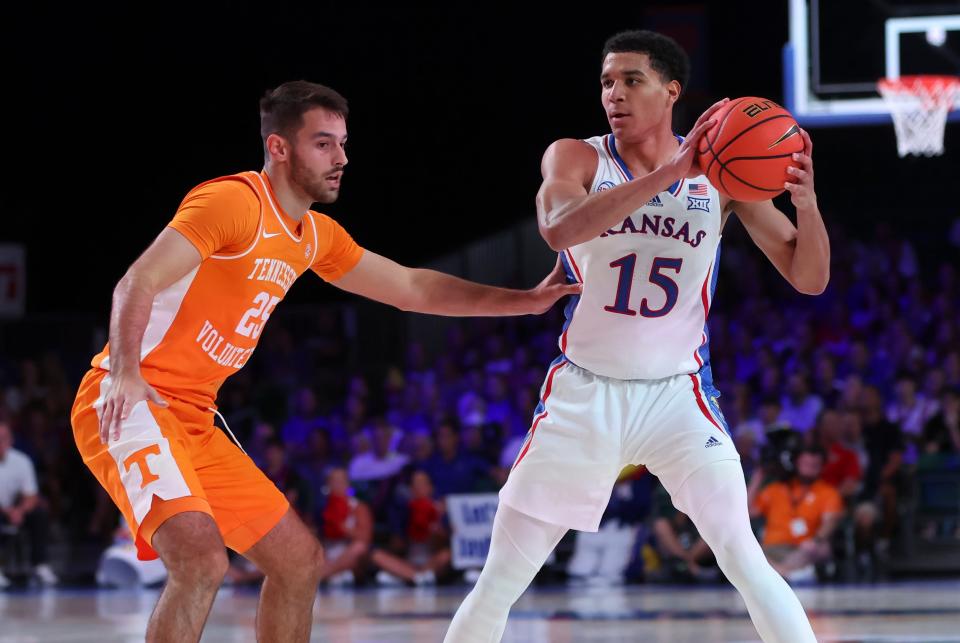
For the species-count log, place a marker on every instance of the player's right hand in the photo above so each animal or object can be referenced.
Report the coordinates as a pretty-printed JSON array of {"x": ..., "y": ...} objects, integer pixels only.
[
  {"x": 684, "y": 161},
  {"x": 125, "y": 392}
]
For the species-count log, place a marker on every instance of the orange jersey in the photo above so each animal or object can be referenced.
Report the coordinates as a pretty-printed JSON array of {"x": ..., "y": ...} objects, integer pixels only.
[
  {"x": 205, "y": 327},
  {"x": 781, "y": 504}
]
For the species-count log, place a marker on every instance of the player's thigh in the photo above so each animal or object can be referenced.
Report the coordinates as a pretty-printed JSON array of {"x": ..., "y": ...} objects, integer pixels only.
[
  {"x": 686, "y": 434},
  {"x": 148, "y": 472},
  {"x": 288, "y": 548},
  {"x": 189, "y": 543},
  {"x": 567, "y": 467}
]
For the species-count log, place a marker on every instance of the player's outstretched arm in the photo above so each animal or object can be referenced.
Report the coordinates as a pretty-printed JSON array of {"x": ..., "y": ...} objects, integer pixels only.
[
  {"x": 436, "y": 293},
  {"x": 568, "y": 215},
  {"x": 801, "y": 253},
  {"x": 168, "y": 259}
]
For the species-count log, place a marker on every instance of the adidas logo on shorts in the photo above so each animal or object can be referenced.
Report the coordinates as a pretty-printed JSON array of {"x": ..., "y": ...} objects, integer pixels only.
[{"x": 713, "y": 442}]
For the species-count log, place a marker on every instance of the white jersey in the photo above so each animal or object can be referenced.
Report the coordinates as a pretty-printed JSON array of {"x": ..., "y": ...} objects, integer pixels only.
[{"x": 647, "y": 282}]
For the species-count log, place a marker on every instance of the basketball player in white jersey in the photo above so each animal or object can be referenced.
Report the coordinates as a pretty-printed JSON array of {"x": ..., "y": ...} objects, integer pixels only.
[{"x": 637, "y": 224}]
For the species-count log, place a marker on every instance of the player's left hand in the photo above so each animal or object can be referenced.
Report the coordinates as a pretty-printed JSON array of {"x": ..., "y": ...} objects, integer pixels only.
[
  {"x": 801, "y": 185},
  {"x": 552, "y": 288}
]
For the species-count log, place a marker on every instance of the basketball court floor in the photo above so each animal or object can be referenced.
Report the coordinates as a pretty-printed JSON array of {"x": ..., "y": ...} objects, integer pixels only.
[{"x": 927, "y": 611}]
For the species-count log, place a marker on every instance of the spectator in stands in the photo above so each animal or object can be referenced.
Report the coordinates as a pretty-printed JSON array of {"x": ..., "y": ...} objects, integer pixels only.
[
  {"x": 842, "y": 467},
  {"x": 941, "y": 434},
  {"x": 876, "y": 516},
  {"x": 346, "y": 529},
  {"x": 850, "y": 392},
  {"x": 800, "y": 407},
  {"x": 293, "y": 486},
  {"x": 21, "y": 508},
  {"x": 826, "y": 386},
  {"x": 425, "y": 552},
  {"x": 451, "y": 470},
  {"x": 800, "y": 516},
  {"x": 383, "y": 460},
  {"x": 304, "y": 421},
  {"x": 911, "y": 412}
]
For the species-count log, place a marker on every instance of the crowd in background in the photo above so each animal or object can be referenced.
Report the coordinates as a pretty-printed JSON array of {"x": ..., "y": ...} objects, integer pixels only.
[{"x": 839, "y": 406}]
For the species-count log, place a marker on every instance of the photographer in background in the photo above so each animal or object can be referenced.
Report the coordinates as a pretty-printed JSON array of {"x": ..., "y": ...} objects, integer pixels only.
[{"x": 800, "y": 515}]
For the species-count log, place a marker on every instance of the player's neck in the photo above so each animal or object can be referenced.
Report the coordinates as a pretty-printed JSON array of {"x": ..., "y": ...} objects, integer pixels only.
[
  {"x": 654, "y": 149},
  {"x": 292, "y": 201}
]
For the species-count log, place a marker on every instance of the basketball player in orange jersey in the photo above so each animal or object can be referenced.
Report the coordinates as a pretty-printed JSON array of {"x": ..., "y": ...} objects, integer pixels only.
[
  {"x": 639, "y": 226},
  {"x": 188, "y": 314}
]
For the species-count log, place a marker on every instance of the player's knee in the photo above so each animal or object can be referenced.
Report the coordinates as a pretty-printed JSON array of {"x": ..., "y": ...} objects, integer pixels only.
[
  {"x": 735, "y": 546},
  {"x": 192, "y": 549},
  {"x": 315, "y": 562},
  {"x": 204, "y": 564},
  {"x": 306, "y": 567}
]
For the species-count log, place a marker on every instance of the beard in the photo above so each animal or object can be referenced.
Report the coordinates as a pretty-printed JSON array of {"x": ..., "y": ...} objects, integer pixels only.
[{"x": 315, "y": 186}]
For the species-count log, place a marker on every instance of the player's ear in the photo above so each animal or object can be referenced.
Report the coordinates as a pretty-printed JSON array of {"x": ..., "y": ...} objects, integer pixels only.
[
  {"x": 277, "y": 148},
  {"x": 673, "y": 90}
]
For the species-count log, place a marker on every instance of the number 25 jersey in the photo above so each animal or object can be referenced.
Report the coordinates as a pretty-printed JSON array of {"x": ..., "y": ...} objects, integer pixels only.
[
  {"x": 204, "y": 327},
  {"x": 647, "y": 282}
]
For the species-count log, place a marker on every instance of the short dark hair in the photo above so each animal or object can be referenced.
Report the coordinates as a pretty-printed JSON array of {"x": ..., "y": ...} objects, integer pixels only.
[
  {"x": 666, "y": 56},
  {"x": 282, "y": 109}
]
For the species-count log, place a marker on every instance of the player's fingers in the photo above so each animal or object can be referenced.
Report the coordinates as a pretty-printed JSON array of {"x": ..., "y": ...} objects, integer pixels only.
[
  {"x": 125, "y": 408},
  {"x": 807, "y": 143},
  {"x": 804, "y": 160},
  {"x": 117, "y": 419},
  {"x": 698, "y": 131},
  {"x": 713, "y": 108},
  {"x": 105, "y": 418},
  {"x": 797, "y": 172},
  {"x": 572, "y": 289},
  {"x": 157, "y": 399}
]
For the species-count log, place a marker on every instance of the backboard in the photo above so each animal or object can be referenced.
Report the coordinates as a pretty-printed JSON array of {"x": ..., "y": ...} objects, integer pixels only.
[{"x": 839, "y": 49}]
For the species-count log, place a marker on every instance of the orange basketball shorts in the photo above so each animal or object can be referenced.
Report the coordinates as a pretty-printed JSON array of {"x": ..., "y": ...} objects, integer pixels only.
[{"x": 173, "y": 460}]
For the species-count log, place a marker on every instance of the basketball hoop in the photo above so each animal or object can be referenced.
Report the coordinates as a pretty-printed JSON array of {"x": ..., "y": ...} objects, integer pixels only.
[{"x": 919, "y": 107}]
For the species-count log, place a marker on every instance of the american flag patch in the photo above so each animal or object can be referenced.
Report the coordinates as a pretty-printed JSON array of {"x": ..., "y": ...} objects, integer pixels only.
[{"x": 698, "y": 189}]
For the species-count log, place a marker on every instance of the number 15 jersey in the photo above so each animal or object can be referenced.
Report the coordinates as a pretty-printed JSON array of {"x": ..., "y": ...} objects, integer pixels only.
[
  {"x": 647, "y": 282},
  {"x": 204, "y": 327}
]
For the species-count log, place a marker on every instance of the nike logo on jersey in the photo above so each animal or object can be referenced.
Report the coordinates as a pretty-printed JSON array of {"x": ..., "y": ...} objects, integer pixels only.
[{"x": 269, "y": 235}]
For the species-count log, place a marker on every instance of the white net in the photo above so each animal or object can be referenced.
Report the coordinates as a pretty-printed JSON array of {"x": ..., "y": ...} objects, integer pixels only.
[{"x": 919, "y": 106}]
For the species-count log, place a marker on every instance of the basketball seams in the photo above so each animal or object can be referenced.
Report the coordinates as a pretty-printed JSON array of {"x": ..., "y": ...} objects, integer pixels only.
[
  {"x": 719, "y": 130},
  {"x": 709, "y": 146}
]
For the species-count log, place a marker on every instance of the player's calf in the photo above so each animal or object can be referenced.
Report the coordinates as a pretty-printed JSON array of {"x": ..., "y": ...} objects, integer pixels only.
[{"x": 193, "y": 552}]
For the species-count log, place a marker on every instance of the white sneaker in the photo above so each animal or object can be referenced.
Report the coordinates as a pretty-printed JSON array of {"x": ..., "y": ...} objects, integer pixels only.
[
  {"x": 45, "y": 575},
  {"x": 343, "y": 579},
  {"x": 4, "y": 581},
  {"x": 425, "y": 578},
  {"x": 387, "y": 579}
]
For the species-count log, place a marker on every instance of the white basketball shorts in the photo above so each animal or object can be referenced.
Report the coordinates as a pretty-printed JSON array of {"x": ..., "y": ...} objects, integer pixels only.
[{"x": 588, "y": 427}]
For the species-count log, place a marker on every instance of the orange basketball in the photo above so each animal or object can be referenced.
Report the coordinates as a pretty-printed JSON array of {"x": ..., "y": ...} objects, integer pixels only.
[{"x": 747, "y": 152}]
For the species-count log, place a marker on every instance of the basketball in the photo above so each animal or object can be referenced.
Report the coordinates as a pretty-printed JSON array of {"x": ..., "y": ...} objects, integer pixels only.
[{"x": 747, "y": 152}]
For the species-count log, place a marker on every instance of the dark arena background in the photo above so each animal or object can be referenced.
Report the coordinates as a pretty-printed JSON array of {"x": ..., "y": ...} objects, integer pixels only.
[{"x": 114, "y": 113}]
